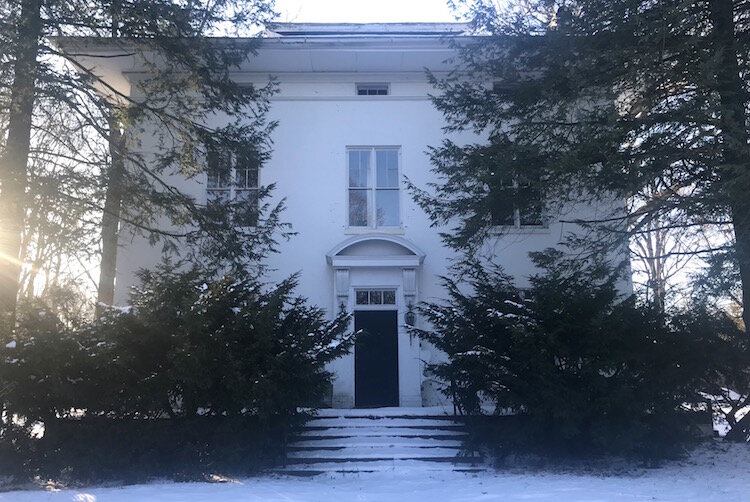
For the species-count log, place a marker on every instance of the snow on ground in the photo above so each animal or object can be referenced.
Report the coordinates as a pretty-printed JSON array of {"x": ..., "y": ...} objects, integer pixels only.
[{"x": 715, "y": 472}]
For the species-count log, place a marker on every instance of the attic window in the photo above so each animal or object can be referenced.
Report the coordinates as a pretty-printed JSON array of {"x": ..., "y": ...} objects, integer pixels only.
[
  {"x": 505, "y": 91},
  {"x": 373, "y": 89}
]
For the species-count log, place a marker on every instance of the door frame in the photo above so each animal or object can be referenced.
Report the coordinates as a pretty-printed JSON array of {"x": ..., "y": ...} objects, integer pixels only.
[
  {"x": 397, "y": 307},
  {"x": 410, "y": 360}
]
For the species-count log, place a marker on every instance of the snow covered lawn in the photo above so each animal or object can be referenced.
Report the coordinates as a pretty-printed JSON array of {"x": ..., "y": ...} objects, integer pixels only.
[{"x": 719, "y": 472}]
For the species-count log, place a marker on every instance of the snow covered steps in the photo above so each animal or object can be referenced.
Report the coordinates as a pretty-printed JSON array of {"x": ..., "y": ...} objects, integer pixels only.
[{"x": 352, "y": 441}]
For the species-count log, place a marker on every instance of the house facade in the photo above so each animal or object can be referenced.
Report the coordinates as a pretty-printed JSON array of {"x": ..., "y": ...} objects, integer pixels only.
[{"x": 354, "y": 120}]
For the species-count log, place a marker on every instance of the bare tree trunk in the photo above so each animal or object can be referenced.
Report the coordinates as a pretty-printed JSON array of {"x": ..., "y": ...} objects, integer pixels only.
[
  {"x": 13, "y": 168},
  {"x": 736, "y": 173},
  {"x": 32, "y": 231},
  {"x": 111, "y": 217},
  {"x": 35, "y": 267},
  {"x": 113, "y": 197}
]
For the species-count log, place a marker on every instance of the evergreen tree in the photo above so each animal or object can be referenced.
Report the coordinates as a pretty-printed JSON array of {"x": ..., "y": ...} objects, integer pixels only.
[
  {"x": 189, "y": 346},
  {"x": 596, "y": 100},
  {"x": 591, "y": 371},
  {"x": 185, "y": 83}
]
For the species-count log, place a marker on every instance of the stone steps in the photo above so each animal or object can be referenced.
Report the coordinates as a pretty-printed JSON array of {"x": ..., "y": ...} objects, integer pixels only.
[
  {"x": 354, "y": 441},
  {"x": 374, "y": 452},
  {"x": 379, "y": 432},
  {"x": 368, "y": 441},
  {"x": 411, "y": 422}
]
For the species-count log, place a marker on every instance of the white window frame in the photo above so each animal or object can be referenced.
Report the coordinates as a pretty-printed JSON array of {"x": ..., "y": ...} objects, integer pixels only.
[
  {"x": 232, "y": 189},
  {"x": 372, "y": 189},
  {"x": 369, "y": 290},
  {"x": 374, "y": 86},
  {"x": 517, "y": 217},
  {"x": 382, "y": 306}
]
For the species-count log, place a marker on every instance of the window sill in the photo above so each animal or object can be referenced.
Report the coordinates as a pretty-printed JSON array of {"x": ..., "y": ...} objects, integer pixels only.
[
  {"x": 527, "y": 230},
  {"x": 370, "y": 230}
]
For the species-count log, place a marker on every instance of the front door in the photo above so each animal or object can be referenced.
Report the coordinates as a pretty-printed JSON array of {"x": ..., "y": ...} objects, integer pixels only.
[{"x": 376, "y": 359}]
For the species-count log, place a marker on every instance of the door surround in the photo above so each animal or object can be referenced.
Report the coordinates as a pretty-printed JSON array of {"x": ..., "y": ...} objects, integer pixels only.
[{"x": 378, "y": 261}]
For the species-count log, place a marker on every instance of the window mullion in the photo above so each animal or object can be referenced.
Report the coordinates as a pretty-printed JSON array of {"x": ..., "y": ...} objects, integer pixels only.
[{"x": 372, "y": 183}]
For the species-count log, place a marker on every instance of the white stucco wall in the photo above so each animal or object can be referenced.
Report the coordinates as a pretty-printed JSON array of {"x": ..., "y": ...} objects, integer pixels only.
[{"x": 319, "y": 116}]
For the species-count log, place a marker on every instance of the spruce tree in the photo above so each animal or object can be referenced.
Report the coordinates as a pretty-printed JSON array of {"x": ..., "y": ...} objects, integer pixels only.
[
  {"x": 597, "y": 100},
  {"x": 583, "y": 368}
]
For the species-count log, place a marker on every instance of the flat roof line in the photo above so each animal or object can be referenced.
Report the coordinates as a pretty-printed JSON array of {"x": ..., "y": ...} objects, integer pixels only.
[{"x": 372, "y": 29}]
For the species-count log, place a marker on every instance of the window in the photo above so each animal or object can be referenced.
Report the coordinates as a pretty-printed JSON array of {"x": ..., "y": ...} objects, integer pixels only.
[
  {"x": 375, "y": 297},
  {"x": 373, "y": 89},
  {"x": 517, "y": 203},
  {"x": 373, "y": 193},
  {"x": 230, "y": 181}
]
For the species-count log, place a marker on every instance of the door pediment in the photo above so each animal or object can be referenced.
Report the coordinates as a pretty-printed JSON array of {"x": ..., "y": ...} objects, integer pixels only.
[{"x": 375, "y": 250}]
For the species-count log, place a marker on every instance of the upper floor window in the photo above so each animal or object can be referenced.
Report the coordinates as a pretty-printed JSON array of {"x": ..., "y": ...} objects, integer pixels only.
[
  {"x": 517, "y": 203},
  {"x": 231, "y": 183},
  {"x": 373, "y": 187},
  {"x": 373, "y": 89}
]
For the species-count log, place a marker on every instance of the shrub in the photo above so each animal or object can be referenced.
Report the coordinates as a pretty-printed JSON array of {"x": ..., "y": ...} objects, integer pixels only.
[
  {"x": 592, "y": 372},
  {"x": 724, "y": 357},
  {"x": 187, "y": 348}
]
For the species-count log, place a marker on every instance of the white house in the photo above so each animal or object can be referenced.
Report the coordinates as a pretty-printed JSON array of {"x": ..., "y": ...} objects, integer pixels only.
[{"x": 354, "y": 119}]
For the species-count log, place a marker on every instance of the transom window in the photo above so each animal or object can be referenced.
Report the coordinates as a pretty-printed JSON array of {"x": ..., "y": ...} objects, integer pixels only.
[
  {"x": 375, "y": 296},
  {"x": 373, "y": 192},
  {"x": 517, "y": 203},
  {"x": 230, "y": 182},
  {"x": 372, "y": 89}
]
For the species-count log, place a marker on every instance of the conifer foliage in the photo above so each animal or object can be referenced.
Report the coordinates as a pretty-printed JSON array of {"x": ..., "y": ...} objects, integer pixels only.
[
  {"x": 593, "y": 372},
  {"x": 61, "y": 112},
  {"x": 598, "y": 100},
  {"x": 186, "y": 348},
  {"x": 595, "y": 102}
]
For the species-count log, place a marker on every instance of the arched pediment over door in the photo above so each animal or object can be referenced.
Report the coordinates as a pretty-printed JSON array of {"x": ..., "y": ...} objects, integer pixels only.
[{"x": 375, "y": 250}]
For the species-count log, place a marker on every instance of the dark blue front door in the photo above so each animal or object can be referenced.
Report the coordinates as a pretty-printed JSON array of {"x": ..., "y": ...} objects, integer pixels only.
[{"x": 376, "y": 359}]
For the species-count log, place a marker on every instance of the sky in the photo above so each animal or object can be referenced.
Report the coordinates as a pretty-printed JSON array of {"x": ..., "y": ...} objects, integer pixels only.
[{"x": 361, "y": 11}]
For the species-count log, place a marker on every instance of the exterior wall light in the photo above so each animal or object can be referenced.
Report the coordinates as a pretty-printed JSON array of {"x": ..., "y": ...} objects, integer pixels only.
[{"x": 410, "y": 317}]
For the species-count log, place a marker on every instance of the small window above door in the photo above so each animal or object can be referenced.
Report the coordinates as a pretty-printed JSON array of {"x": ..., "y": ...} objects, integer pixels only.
[{"x": 375, "y": 297}]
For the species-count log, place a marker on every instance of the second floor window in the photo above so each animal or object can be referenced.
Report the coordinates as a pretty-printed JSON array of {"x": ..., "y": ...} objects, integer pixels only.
[
  {"x": 373, "y": 187},
  {"x": 517, "y": 203},
  {"x": 231, "y": 183}
]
